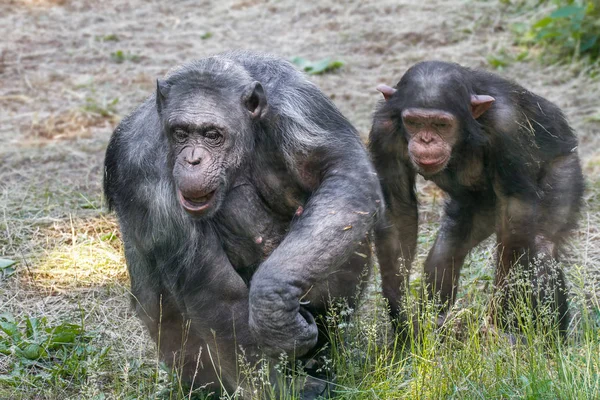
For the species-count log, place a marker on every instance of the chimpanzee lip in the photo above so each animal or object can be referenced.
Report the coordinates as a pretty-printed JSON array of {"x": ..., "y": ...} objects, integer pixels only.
[
  {"x": 197, "y": 205},
  {"x": 432, "y": 162},
  {"x": 432, "y": 165}
]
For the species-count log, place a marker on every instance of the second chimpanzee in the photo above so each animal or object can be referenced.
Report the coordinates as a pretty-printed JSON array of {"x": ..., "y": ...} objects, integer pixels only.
[
  {"x": 244, "y": 198},
  {"x": 508, "y": 161}
]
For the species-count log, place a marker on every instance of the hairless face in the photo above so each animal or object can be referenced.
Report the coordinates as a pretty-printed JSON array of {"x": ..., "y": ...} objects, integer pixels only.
[
  {"x": 433, "y": 132},
  {"x": 204, "y": 127}
]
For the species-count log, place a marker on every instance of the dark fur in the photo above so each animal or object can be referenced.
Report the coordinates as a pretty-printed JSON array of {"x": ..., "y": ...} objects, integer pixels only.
[
  {"x": 514, "y": 172},
  {"x": 257, "y": 270}
]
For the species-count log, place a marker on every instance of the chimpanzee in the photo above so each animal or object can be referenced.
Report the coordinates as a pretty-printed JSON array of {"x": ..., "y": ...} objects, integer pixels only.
[
  {"x": 245, "y": 200},
  {"x": 508, "y": 161}
]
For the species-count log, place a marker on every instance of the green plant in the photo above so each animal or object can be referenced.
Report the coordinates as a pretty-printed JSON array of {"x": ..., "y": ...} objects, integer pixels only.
[
  {"x": 42, "y": 352},
  {"x": 317, "y": 67},
  {"x": 572, "y": 29},
  {"x": 112, "y": 37},
  {"x": 120, "y": 56},
  {"x": 6, "y": 267}
]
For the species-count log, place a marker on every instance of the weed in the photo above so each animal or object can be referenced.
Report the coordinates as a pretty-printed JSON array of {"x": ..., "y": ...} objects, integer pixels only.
[
  {"x": 569, "y": 30},
  {"x": 317, "y": 67},
  {"x": 120, "y": 57}
]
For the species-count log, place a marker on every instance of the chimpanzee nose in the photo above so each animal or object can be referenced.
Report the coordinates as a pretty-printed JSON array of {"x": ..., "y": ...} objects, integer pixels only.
[
  {"x": 193, "y": 158},
  {"x": 426, "y": 139}
]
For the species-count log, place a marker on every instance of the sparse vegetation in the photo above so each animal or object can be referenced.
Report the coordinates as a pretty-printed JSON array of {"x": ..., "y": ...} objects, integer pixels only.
[
  {"x": 317, "y": 67},
  {"x": 39, "y": 353},
  {"x": 120, "y": 56},
  {"x": 112, "y": 37},
  {"x": 566, "y": 29}
]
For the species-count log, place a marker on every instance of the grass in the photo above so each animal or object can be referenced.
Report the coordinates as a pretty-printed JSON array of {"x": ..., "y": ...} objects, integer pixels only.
[{"x": 108, "y": 355}]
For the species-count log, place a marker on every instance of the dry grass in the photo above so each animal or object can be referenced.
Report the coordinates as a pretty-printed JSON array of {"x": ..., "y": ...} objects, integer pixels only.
[
  {"x": 72, "y": 124},
  {"x": 80, "y": 254},
  {"x": 61, "y": 93}
]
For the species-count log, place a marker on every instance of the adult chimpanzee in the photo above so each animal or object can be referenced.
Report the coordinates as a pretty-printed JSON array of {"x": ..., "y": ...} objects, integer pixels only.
[
  {"x": 507, "y": 159},
  {"x": 244, "y": 198}
]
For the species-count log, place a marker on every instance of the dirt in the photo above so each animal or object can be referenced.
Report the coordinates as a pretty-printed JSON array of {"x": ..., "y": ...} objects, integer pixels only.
[{"x": 69, "y": 70}]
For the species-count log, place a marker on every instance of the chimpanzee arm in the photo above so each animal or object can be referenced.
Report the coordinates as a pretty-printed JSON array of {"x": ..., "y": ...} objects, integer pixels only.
[
  {"x": 339, "y": 215},
  {"x": 465, "y": 224},
  {"x": 396, "y": 234},
  {"x": 219, "y": 314}
]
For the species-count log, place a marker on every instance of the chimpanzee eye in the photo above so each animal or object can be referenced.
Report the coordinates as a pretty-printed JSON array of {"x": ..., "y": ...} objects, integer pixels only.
[
  {"x": 213, "y": 136},
  {"x": 440, "y": 125},
  {"x": 179, "y": 134},
  {"x": 413, "y": 124}
]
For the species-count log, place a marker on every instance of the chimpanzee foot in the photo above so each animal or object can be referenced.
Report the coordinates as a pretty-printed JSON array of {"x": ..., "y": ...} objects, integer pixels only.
[{"x": 315, "y": 388}]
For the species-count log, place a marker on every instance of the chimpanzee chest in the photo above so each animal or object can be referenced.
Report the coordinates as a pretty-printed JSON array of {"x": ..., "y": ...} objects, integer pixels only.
[
  {"x": 465, "y": 175},
  {"x": 250, "y": 228}
]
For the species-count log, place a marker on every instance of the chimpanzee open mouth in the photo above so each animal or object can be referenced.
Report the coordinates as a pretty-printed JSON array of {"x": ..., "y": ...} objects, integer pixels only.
[{"x": 197, "y": 205}]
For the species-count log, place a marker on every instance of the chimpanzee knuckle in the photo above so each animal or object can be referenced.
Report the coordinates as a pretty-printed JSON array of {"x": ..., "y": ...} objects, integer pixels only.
[
  {"x": 294, "y": 333},
  {"x": 277, "y": 321}
]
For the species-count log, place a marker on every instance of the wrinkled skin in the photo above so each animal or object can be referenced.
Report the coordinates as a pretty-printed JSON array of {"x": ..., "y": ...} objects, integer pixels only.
[
  {"x": 245, "y": 200},
  {"x": 432, "y": 134},
  {"x": 507, "y": 160}
]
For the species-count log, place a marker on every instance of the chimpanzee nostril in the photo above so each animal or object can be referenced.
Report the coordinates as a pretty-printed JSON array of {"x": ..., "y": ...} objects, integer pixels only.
[{"x": 193, "y": 161}]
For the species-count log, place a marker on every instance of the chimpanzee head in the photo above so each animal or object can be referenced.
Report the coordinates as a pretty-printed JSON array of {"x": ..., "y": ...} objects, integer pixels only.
[
  {"x": 209, "y": 110},
  {"x": 436, "y": 109}
]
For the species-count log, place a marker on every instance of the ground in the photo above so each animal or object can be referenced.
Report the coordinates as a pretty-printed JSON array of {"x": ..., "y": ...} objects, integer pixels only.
[{"x": 70, "y": 69}]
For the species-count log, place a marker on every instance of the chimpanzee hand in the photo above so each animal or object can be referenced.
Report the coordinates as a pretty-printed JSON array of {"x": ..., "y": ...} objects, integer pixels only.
[{"x": 277, "y": 320}]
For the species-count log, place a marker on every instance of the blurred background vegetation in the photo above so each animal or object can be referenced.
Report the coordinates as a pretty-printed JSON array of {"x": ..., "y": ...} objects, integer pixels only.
[{"x": 559, "y": 30}]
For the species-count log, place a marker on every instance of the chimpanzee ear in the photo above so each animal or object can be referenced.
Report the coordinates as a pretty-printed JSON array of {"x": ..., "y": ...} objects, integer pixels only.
[
  {"x": 386, "y": 90},
  {"x": 480, "y": 104},
  {"x": 162, "y": 91},
  {"x": 255, "y": 100}
]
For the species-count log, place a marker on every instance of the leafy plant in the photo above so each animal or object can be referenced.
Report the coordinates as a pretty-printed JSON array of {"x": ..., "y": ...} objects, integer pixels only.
[
  {"x": 317, "y": 67},
  {"x": 6, "y": 267},
  {"x": 44, "y": 352},
  {"x": 572, "y": 29}
]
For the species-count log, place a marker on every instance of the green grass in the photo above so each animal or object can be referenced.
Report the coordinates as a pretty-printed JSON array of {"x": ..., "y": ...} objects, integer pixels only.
[
  {"x": 80, "y": 278},
  {"x": 466, "y": 359}
]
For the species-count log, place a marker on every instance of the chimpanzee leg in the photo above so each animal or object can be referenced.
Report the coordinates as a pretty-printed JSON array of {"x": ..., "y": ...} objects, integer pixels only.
[
  {"x": 517, "y": 226},
  {"x": 563, "y": 188},
  {"x": 523, "y": 240},
  {"x": 177, "y": 343},
  {"x": 462, "y": 229},
  {"x": 396, "y": 231}
]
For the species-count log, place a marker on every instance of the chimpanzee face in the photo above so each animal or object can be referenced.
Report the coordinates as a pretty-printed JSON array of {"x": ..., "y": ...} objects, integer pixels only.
[
  {"x": 429, "y": 107},
  {"x": 431, "y": 137},
  {"x": 210, "y": 135}
]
